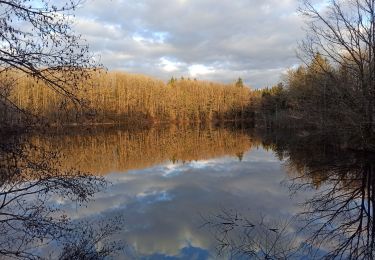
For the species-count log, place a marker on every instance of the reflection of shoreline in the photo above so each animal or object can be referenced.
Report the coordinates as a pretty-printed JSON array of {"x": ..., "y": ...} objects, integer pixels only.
[
  {"x": 163, "y": 211},
  {"x": 30, "y": 218},
  {"x": 338, "y": 219},
  {"x": 117, "y": 150},
  {"x": 161, "y": 207}
]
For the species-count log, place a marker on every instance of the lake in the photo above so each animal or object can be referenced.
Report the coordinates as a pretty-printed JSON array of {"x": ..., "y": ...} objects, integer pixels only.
[{"x": 177, "y": 192}]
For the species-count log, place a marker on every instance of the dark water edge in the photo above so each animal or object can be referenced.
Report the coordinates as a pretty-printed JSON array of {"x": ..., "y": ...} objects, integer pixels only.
[{"x": 205, "y": 191}]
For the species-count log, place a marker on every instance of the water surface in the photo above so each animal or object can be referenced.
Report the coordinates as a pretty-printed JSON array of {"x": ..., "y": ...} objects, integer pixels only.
[
  {"x": 209, "y": 193},
  {"x": 164, "y": 182}
]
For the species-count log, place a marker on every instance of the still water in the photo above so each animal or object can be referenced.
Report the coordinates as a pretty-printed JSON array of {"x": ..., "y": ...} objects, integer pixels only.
[{"x": 217, "y": 193}]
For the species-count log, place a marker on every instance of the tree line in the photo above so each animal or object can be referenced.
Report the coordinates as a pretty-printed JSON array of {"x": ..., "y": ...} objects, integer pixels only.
[
  {"x": 318, "y": 96},
  {"x": 334, "y": 89},
  {"x": 117, "y": 97}
]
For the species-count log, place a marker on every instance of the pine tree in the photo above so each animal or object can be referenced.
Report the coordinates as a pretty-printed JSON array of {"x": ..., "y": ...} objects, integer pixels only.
[{"x": 239, "y": 83}]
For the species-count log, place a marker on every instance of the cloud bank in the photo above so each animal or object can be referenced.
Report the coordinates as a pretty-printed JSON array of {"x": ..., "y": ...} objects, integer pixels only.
[{"x": 204, "y": 39}]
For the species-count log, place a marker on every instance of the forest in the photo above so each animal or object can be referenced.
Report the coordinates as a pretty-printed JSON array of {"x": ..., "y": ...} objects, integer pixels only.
[
  {"x": 333, "y": 89},
  {"x": 318, "y": 96},
  {"x": 118, "y": 97}
]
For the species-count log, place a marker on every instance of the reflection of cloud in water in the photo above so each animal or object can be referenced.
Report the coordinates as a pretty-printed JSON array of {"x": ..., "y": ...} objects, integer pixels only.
[
  {"x": 163, "y": 214},
  {"x": 171, "y": 170},
  {"x": 188, "y": 252},
  {"x": 153, "y": 197}
]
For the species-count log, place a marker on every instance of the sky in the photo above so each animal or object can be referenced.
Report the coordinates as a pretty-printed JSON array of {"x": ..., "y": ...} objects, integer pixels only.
[{"x": 218, "y": 40}]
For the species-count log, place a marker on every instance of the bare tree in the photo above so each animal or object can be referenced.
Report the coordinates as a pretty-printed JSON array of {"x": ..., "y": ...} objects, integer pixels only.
[
  {"x": 344, "y": 32},
  {"x": 30, "y": 182},
  {"x": 238, "y": 236},
  {"x": 36, "y": 37}
]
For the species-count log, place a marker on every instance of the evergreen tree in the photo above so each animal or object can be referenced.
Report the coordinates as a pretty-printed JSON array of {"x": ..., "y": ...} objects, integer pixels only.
[{"x": 239, "y": 83}]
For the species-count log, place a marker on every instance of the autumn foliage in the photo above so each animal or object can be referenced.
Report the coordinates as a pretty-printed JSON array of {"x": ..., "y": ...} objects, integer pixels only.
[{"x": 116, "y": 97}]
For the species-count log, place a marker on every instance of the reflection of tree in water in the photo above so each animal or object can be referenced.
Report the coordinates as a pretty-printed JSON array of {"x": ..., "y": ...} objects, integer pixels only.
[
  {"x": 241, "y": 237},
  {"x": 118, "y": 150},
  {"x": 91, "y": 240},
  {"x": 30, "y": 181},
  {"x": 339, "y": 217},
  {"x": 337, "y": 222}
]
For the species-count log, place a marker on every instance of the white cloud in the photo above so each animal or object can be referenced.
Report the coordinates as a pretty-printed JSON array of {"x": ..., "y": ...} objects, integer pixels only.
[
  {"x": 154, "y": 37},
  {"x": 200, "y": 70},
  {"x": 169, "y": 65},
  {"x": 212, "y": 40}
]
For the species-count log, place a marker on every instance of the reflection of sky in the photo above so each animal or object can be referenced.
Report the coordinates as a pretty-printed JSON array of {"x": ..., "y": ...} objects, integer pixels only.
[{"x": 162, "y": 205}]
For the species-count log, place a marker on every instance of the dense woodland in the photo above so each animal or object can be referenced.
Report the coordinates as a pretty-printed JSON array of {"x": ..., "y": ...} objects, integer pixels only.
[
  {"x": 333, "y": 90},
  {"x": 319, "y": 97},
  {"x": 308, "y": 98},
  {"x": 312, "y": 97},
  {"x": 116, "y": 97}
]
